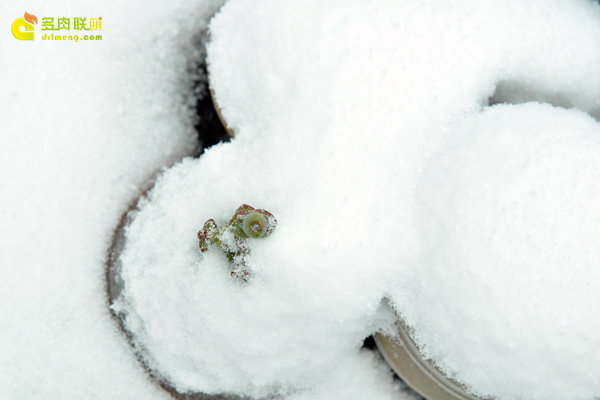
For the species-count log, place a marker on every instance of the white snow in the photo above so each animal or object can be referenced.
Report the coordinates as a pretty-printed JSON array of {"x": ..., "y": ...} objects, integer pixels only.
[
  {"x": 83, "y": 128},
  {"x": 509, "y": 258},
  {"x": 342, "y": 113},
  {"x": 365, "y": 129}
]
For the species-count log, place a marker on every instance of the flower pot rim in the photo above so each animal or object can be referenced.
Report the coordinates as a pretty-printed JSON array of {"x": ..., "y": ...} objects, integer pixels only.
[{"x": 404, "y": 356}]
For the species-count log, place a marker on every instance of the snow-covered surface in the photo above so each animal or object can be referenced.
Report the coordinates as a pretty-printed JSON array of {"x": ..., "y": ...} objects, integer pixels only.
[
  {"x": 510, "y": 253},
  {"x": 365, "y": 129},
  {"x": 362, "y": 127},
  {"x": 83, "y": 127}
]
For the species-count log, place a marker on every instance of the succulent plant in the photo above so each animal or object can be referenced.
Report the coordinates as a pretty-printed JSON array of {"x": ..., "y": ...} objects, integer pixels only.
[{"x": 247, "y": 223}]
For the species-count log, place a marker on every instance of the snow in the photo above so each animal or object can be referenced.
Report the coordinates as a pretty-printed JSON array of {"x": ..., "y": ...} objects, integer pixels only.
[
  {"x": 335, "y": 131},
  {"x": 83, "y": 128},
  {"x": 366, "y": 130},
  {"x": 520, "y": 301}
]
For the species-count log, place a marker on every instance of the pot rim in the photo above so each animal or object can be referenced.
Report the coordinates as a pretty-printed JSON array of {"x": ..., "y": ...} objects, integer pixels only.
[{"x": 404, "y": 356}]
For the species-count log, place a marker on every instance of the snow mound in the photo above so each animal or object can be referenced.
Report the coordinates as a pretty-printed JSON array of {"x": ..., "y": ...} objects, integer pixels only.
[
  {"x": 339, "y": 111},
  {"x": 83, "y": 129},
  {"x": 509, "y": 263}
]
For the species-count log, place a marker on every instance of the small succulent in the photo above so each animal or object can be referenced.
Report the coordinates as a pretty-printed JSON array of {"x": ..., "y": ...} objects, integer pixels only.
[{"x": 247, "y": 223}]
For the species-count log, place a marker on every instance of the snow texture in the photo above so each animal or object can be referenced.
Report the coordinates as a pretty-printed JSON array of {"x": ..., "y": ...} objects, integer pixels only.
[
  {"x": 83, "y": 128},
  {"x": 367, "y": 130},
  {"x": 509, "y": 253}
]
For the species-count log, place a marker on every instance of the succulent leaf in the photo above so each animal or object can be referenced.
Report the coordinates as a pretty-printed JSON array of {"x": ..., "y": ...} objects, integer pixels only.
[{"x": 246, "y": 223}]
